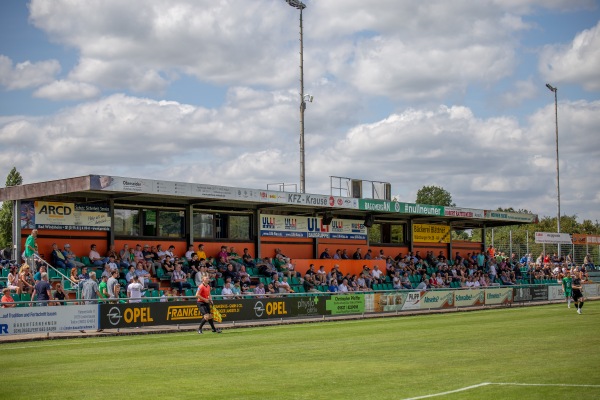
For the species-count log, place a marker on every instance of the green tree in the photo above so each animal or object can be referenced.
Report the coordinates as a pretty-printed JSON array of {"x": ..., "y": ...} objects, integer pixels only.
[
  {"x": 6, "y": 212},
  {"x": 434, "y": 195}
]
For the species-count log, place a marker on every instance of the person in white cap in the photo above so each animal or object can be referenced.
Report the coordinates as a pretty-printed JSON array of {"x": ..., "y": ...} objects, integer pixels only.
[{"x": 71, "y": 257}]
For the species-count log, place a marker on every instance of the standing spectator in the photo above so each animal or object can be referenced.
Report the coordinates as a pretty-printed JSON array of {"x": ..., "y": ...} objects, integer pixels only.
[
  {"x": 134, "y": 290},
  {"x": 89, "y": 290},
  {"x": 111, "y": 285},
  {"x": 7, "y": 298},
  {"x": 204, "y": 304},
  {"x": 42, "y": 290},
  {"x": 103, "y": 288},
  {"x": 31, "y": 249},
  {"x": 357, "y": 254},
  {"x": 59, "y": 294}
]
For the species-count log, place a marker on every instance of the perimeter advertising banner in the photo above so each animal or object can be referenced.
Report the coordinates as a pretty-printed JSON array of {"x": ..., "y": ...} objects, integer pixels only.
[
  {"x": 463, "y": 212},
  {"x": 585, "y": 239},
  {"x": 590, "y": 290},
  {"x": 66, "y": 216},
  {"x": 502, "y": 295},
  {"x": 531, "y": 293},
  {"x": 469, "y": 298},
  {"x": 312, "y": 227},
  {"x": 511, "y": 216},
  {"x": 385, "y": 302},
  {"x": 437, "y": 299},
  {"x": 19, "y": 320},
  {"x": 556, "y": 293}
]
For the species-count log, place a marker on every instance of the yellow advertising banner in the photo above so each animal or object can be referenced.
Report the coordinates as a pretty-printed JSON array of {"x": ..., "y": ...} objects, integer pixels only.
[
  {"x": 73, "y": 216},
  {"x": 431, "y": 233}
]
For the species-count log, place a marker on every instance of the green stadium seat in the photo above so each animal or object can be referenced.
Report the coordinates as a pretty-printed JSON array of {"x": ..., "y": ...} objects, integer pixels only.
[
  {"x": 220, "y": 282},
  {"x": 86, "y": 261},
  {"x": 377, "y": 286},
  {"x": 16, "y": 297},
  {"x": 5, "y": 272},
  {"x": 25, "y": 297}
]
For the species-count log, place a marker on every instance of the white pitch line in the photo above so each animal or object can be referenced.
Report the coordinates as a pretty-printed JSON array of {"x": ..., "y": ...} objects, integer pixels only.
[
  {"x": 545, "y": 384},
  {"x": 449, "y": 392},
  {"x": 500, "y": 384}
]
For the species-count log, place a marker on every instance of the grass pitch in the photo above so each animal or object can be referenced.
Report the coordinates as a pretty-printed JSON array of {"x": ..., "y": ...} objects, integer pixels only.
[{"x": 515, "y": 353}]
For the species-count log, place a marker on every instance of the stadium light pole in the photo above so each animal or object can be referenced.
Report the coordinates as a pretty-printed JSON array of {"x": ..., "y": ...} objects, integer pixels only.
[
  {"x": 555, "y": 90},
  {"x": 299, "y": 5}
]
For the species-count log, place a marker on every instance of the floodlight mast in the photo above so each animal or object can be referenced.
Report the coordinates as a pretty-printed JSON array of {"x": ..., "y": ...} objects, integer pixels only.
[
  {"x": 555, "y": 91},
  {"x": 297, "y": 4}
]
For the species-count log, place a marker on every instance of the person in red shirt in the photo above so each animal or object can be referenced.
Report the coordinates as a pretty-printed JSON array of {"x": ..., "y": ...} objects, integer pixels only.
[
  {"x": 7, "y": 298},
  {"x": 204, "y": 304}
]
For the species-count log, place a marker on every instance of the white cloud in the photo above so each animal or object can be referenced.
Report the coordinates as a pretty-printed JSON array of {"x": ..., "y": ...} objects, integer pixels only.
[
  {"x": 521, "y": 91},
  {"x": 578, "y": 62},
  {"x": 66, "y": 90},
  {"x": 26, "y": 74}
]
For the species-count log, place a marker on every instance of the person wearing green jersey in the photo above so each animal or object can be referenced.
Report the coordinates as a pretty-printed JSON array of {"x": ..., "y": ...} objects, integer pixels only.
[{"x": 567, "y": 284}]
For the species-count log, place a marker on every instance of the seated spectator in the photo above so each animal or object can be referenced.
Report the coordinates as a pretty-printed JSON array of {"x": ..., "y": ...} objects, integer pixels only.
[
  {"x": 74, "y": 277},
  {"x": 201, "y": 253},
  {"x": 423, "y": 284},
  {"x": 338, "y": 254},
  {"x": 106, "y": 272},
  {"x": 193, "y": 265},
  {"x": 397, "y": 281},
  {"x": 405, "y": 281},
  {"x": 160, "y": 253},
  {"x": 151, "y": 257},
  {"x": 377, "y": 275},
  {"x": 112, "y": 263},
  {"x": 259, "y": 291},
  {"x": 130, "y": 274},
  {"x": 505, "y": 279},
  {"x": 325, "y": 254},
  {"x": 353, "y": 283},
  {"x": 247, "y": 259},
  {"x": 145, "y": 278},
  {"x": 71, "y": 257},
  {"x": 343, "y": 287},
  {"x": 12, "y": 282},
  {"x": 237, "y": 290},
  {"x": 369, "y": 255},
  {"x": 266, "y": 268},
  {"x": 168, "y": 266},
  {"x": 333, "y": 285},
  {"x": 230, "y": 273},
  {"x": 201, "y": 274},
  {"x": 124, "y": 260},
  {"x": 7, "y": 298},
  {"x": 357, "y": 254},
  {"x": 433, "y": 282},
  {"x": 190, "y": 252},
  {"x": 588, "y": 262},
  {"x": 95, "y": 258},
  {"x": 345, "y": 255},
  {"x": 362, "y": 283},
  {"x": 321, "y": 275},
  {"x": 178, "y": 280},
  {"x": 58, "y": 259},
  {"x": 284, "y": 286},
  {"x": 234, "y": 258},
  {"x": 114, "y": 253},
  {"x": 289, "y": 269},
  {"x": 309, "y": 283},
  {"x": 279, "y": 256},
  {"x": 84, "y": 274},
  {"x": 226, "y": 292},
  {"x": 270, "y": 291}
]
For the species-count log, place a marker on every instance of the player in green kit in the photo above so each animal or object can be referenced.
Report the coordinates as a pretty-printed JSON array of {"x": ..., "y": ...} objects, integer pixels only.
[{"x": 567, "y": 284}]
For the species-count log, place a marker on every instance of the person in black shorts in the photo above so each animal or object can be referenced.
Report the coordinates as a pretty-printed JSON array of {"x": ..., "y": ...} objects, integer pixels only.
[
  {"x": 204, "y": 304},
  {"x": 578, "y": 291}
]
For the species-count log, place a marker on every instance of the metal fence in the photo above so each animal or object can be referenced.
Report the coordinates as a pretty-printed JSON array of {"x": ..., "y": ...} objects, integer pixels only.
[{"x": 520, "y": 247}]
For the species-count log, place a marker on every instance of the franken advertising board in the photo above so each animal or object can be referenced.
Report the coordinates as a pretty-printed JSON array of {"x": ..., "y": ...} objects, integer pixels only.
[
  {"x": 312, "y": 227},
  {"x": 431, "y": 233},
  {"x": 71, "y": 216}
]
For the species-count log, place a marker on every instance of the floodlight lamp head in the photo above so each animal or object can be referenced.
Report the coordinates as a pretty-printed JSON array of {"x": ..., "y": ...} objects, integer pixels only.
[
  {"x": 296, "y": 4},
  {"x": 309, "y": 98},
  {"x": 552, "y": 88}
]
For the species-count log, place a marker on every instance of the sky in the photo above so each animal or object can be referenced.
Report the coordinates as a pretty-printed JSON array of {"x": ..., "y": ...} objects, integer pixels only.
[{"x": 450, "y": 93}]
